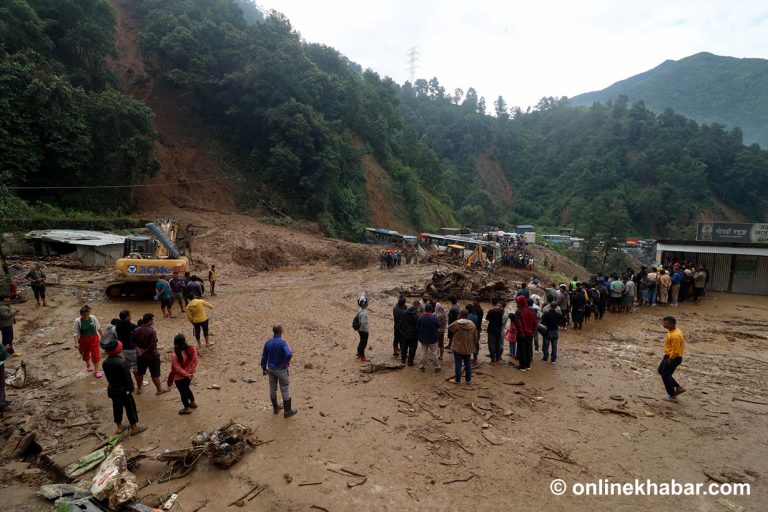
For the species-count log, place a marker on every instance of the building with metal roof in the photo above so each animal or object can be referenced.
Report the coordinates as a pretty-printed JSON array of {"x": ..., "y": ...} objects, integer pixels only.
[
  {"x": 732, "y": 266},
  {"x": 92, "y": 248}
]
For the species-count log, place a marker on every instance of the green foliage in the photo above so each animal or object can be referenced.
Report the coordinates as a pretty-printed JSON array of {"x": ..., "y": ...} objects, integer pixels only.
[
  {"x": 83, "y": 34},
  {"x": 61, "y": 124},
  {"x": 53, "y": 134},
  {"x": 292, "y": 107},
  {"x": 706, "y": 87},
  {"x": 616, "y": 170},
  {"x": 302, "y": 115},
  {"x": 17, "y": 215},
  {"x": 251, "y": 12}
]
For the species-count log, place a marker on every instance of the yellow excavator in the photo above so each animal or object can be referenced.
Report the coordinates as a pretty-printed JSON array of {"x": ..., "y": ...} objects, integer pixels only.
[
  {"x": 145, "y": 259},
  {"x": 476, "y": 256}
]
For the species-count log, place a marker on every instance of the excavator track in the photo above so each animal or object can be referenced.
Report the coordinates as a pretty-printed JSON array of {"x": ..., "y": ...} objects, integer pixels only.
[{"x": 131, "y": 290}]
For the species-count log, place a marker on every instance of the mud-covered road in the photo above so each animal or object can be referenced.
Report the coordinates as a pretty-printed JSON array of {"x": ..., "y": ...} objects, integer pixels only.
[{"x": 419, "y": 440}]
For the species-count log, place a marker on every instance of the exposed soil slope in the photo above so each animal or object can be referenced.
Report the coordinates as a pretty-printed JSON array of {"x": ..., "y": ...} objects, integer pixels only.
[
  {"x": 386, "y": 207},
  {"x": 491, "y": 176},
  {"x": 187, "y": 152}
]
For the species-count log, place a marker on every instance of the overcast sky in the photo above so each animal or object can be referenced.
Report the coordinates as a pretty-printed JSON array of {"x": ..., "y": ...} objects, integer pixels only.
[{"x": 524, "y": 50}]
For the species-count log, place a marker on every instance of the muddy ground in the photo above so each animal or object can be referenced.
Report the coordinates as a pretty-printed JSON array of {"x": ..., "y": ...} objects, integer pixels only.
[{"x": 418, "y": 439}]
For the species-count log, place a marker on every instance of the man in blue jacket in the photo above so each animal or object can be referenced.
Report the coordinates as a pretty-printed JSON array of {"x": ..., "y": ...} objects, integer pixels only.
[
  {"x": 428, "y": 325},
  {"x": 275, "y": 360}
]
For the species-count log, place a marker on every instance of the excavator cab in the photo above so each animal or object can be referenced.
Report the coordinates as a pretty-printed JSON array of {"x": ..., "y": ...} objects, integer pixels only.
[{"x": 139, "y": 247}]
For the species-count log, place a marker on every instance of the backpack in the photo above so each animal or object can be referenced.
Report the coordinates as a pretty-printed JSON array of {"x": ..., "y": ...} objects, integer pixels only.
[{"x": 356, "y": 322}]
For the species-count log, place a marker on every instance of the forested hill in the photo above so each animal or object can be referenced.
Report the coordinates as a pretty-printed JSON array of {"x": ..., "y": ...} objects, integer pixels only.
[
  {"x": 313, "y": 135},
  {"x": 708, "y": 88}
]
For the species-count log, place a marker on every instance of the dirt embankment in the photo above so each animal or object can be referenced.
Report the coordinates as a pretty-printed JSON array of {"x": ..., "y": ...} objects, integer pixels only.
[
  {"x": 491, "y": 177},
  {"x": 193, "y": 173},
  {"x": 386, "y": 207}
]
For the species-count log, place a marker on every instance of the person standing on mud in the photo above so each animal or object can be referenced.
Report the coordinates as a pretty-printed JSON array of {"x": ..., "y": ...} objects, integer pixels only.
[
  {"x": 429, "y": 327},
  {"x": 665, "y": 283},
  {"x": 397, "y": 314},
  {"x": 36, "y": 278},
  {"x": 552, "y": 319},
  {"x": 212, "y": 280},
  {"x": 275, "y": 359},
  {"x": 473, "y": 318},
  {"x": 7, "y": 319},
  {"x": 148, "y": 356},
  {"x": 578, "y": 307},
  {"x": 165, "y": 296},
  {"x": 361, "y": 320},
  {"x": 409, "y": 334},
  {"x": 674, "y": 348},
  {"x": 463, "y": 332},
  {"x": 193, "y": 288},
  {"x": 87, "y": 332},
  {"x": 183, "y": 366},
  {"x": 453, "y": 315},
  {"x": 120, "y": 389},
  {"x": 177, "y": 287},
  {"x": 699, "y": 282},
  {"x": 526, "y": 326},
  {"x": 124, "y": 328},
  {"x": 563, "y": 299},
  {"x": 199, "y": 319},
  {"x": 442, "y": 317},
  {"x": 495, "y": 326}
]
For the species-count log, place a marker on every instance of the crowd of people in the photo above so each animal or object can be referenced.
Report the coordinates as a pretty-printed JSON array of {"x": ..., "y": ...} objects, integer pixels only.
[
  {"x": 392, "y": 258},
  {"x": 514, "y": 252},
  {"x": 534, "y": 319},
  {"x": 131, "y": 349}
]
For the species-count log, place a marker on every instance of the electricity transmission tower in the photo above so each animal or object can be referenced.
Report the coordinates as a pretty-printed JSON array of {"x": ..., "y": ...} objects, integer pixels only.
[{"x": 412, "y": 53}]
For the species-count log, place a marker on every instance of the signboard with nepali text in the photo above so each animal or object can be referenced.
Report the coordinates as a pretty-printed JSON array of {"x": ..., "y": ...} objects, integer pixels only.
[{"x": 732, "y": 232}]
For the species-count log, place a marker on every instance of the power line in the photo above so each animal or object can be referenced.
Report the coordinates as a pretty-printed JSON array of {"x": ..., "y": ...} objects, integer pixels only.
[{"x": 113, "y": 186}]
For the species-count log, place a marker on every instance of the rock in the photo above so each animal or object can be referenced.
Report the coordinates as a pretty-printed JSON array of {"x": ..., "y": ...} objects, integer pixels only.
[
  {"x": 486, "y": 425},
  {"x": 288, "y": 478},
  {"x": 232, "y": 379},
  {"x": 214, "y": 386}
]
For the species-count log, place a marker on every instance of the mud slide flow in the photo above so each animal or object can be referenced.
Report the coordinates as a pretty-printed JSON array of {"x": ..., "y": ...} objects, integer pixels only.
[{"x": 400, "y": 439}]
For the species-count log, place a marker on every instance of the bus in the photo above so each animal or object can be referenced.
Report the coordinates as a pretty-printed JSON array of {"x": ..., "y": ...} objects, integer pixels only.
[{"x": 379, "y": 236}]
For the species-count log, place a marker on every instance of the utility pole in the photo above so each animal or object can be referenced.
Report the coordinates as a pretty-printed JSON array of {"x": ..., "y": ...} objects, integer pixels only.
[{"x": 412, "y": 53}]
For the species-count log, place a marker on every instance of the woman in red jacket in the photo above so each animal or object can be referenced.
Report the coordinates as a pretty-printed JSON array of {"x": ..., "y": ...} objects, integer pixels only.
[{"x": 183, "y": 366}]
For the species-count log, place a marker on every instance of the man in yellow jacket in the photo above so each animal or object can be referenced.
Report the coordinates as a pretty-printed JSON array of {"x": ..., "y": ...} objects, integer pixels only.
[
  {"x": 198, "y": 317},
  {"x": 674, "y": 347}
]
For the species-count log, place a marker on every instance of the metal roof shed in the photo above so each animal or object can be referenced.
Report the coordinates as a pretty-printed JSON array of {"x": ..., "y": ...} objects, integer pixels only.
[
  {"x": 93, "y": 248},
  {"x": 734, "y": 267}
]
